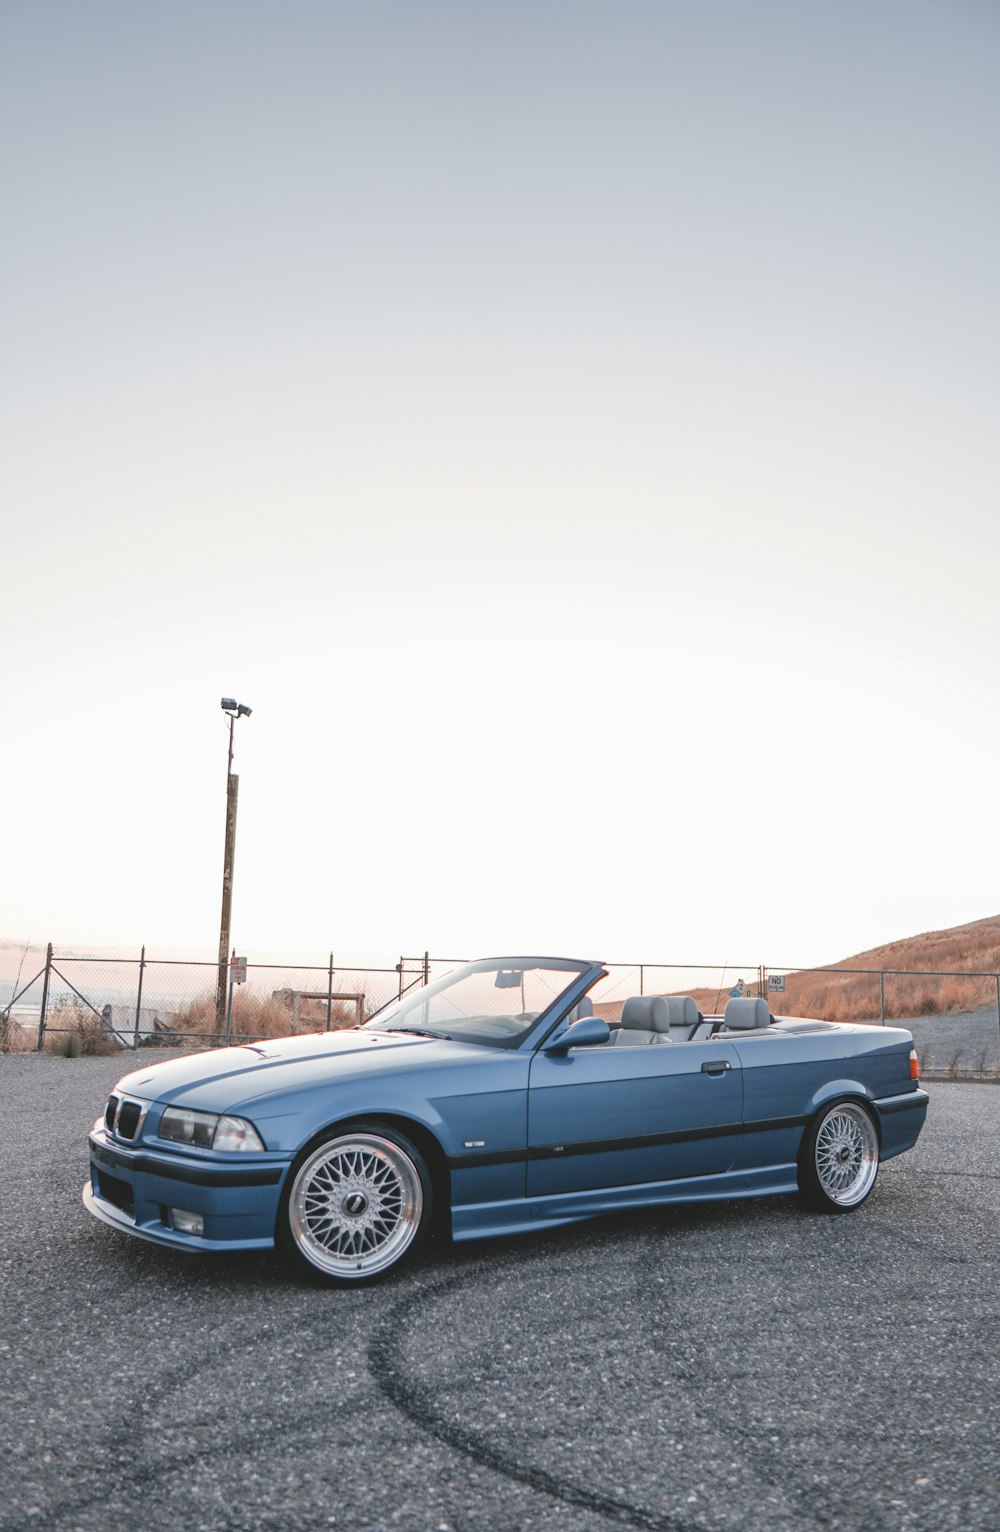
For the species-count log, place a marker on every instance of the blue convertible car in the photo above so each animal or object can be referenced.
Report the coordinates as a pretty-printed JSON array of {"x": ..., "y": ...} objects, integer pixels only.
[{"x": 496, "y": 1101}]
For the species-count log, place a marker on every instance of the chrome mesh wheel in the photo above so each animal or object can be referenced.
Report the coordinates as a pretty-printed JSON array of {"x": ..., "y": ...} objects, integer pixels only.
[
  {"x": 846, "y": 1154},
  {"x": 356, "y": 1205}
]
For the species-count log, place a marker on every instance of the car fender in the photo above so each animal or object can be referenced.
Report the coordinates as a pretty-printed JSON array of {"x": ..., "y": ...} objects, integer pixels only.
[
  {"x": 296, "y": 1125},
  {"x": 466, "y": 1110},
  {"x": 837, "y": 1090}
]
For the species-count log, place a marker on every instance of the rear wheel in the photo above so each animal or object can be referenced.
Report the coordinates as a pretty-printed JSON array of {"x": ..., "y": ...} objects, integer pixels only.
[
  {"x": 357, "y": 1205},
  {"x": 839, "y": 1159}
]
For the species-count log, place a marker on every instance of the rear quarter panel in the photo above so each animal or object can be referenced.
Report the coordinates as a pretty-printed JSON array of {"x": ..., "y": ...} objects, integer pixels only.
[{"x": 787, "y": 1077}]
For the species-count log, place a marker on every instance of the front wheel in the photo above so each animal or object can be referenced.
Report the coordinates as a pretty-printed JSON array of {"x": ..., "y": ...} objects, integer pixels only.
[
  {"x": 357, "y": 1205},
  {"x": 839, "y": 1159}
]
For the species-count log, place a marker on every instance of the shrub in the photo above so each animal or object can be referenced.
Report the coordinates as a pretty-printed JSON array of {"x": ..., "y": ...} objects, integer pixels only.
[
  {"x": 260, "y": 1016},
  {"x": 73, "y": 1030}
]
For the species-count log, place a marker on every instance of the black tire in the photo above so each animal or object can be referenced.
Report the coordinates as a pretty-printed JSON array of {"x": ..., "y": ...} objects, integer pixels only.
[
  {"x": 839, "y": 1158},
  {"x": 358, "y": 1202}
]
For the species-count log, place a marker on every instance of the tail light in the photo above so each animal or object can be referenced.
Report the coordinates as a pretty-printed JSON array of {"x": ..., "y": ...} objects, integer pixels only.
[{"x": 914, "y": 1065}]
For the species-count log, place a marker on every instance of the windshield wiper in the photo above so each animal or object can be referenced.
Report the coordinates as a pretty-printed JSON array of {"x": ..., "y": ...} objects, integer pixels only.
[{"x": 418, "y": 1032}]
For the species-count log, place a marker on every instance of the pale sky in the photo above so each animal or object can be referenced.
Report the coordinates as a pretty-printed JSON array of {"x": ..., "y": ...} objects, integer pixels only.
[{"x": 571, "y": 427}]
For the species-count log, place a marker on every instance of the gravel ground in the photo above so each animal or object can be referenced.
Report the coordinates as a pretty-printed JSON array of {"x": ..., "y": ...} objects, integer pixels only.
[
  {"x": 964, "y": 1041},
  {"x": 736, "y": 1366}
]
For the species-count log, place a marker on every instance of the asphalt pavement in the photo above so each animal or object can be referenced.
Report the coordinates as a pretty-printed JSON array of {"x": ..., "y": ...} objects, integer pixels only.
[{"x": 735, "y": 1366}]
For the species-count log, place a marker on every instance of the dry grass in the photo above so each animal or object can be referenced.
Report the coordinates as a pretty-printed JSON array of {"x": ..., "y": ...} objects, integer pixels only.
[
  {"x": 856, "y": 996},
  {"x": 260, "y": 1016},
  {"x": 72, "y": 1029},
  {"x": 14, "y": 1038}
]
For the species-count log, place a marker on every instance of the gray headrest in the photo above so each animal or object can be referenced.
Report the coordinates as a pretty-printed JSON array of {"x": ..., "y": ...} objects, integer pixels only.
[
  {"x": 683, "y": 1011},
  {"x": 646, "y": 1013},
  {"x": 746, "y": 1013},
  {"x": 584, "y": 1007}
]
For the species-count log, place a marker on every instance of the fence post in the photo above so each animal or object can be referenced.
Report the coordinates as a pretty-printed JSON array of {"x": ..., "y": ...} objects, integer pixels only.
[
  {"x": 138, "y": 998},
  {"x": 881, "y": 994},
  {"x": 329, "y": 994},
  {"x": 229, "y": 1004},
  {"x": 427, "y": 968},
  {"x": 399, "y": 970},
  {"x": 45, "y": 998},
  {"x": 642, "y": 978},
  {"x": 996, "y": 978}
]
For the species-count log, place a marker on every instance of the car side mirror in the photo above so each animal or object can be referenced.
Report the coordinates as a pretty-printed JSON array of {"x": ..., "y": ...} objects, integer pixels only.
[{"x": 582, "y": 1034}]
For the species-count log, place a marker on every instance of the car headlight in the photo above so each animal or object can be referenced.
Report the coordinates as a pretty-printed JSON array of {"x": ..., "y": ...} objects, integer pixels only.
[
  {"x": 236, "y": 1133},
  {"x": 207, "y": 1130},
  {"x": 186, "y": 1127}
]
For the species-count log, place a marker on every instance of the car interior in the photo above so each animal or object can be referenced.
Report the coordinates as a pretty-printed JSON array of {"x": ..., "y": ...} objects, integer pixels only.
[{"x": 651, "y": 1019}]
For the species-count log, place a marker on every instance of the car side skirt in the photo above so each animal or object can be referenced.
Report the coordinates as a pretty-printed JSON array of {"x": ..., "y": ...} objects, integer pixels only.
[{"x": 490, "y": 1219}]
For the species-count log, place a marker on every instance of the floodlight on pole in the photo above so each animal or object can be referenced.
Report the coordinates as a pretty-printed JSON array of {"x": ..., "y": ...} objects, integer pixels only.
[{"x": 233, "y": 710}]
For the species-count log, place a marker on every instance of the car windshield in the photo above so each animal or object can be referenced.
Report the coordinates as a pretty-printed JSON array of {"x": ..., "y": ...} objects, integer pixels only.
[{"x": 495, "y": 1001}]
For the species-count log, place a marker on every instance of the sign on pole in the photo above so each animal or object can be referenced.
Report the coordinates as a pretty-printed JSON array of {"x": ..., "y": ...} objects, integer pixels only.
[{"x": 238, "y": 965}]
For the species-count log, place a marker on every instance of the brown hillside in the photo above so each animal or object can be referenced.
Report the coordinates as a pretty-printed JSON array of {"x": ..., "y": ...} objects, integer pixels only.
[
  {"x": 848, "y": 996},
  {"x": 975, "y": 946}
]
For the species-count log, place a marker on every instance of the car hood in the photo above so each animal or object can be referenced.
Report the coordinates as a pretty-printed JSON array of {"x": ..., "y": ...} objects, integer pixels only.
[{"x": 219, "y": 1079}]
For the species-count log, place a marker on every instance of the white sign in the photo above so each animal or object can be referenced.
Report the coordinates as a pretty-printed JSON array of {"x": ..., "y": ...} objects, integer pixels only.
[
  {"x": 238, "y": 969},
  {"x": 776, "y": 983}
]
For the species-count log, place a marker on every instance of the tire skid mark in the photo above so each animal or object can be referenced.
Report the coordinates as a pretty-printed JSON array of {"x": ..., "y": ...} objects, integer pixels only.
[
  {"x": 966, "y": 1175},
  {"x": 142, "y": 1475},
  {"x": 766, "y": 1462},
  {"x": 118, "y": 1426},
  {"x": 138, "y": 1474},
  {"x": 416, "y": 1402},
  {"x": 763, "y": 1464},
  {"x": 904, "y": 1235}
]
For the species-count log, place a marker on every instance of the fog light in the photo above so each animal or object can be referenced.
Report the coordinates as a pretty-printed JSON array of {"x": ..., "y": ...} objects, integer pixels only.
[{"x": 187, "y": 1223}]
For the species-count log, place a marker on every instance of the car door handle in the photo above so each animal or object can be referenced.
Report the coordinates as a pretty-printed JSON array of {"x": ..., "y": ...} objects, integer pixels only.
[{"x": 715, "y": 1066}]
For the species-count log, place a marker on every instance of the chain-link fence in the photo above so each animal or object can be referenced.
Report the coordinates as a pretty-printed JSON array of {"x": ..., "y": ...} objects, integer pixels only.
[
  {"x": 954, "y": 1015},
  {"x": 83, "y": 1002},
  {"x": 77, "y": 1002},
  {"x": 711, "y": 984}
]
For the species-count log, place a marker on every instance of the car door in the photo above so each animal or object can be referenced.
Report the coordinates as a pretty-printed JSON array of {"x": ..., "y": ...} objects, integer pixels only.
[{"x": 604, "y": 1116}]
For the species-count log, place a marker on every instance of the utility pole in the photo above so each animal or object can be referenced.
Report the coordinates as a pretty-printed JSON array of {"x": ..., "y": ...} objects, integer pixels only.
[{"x": 233, "y": 710}]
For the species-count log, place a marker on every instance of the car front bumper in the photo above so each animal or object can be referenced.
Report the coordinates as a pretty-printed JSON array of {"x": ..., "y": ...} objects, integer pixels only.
[{"x": 136, "y": 1189}]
